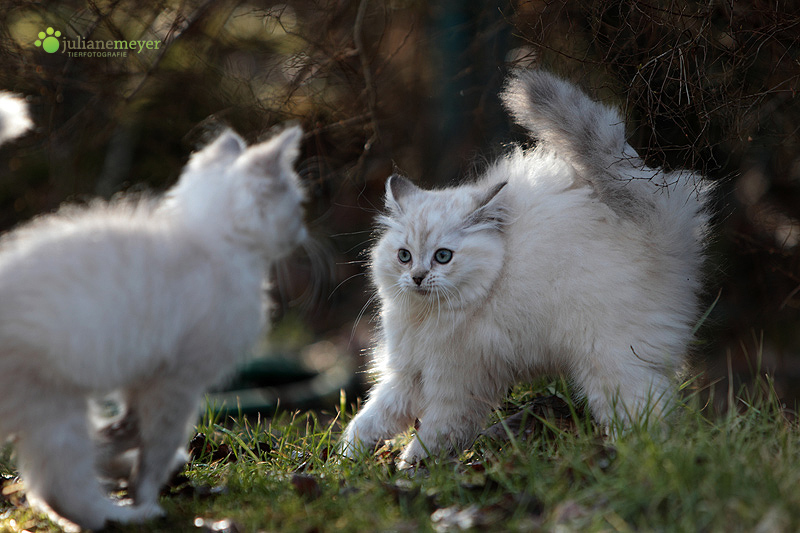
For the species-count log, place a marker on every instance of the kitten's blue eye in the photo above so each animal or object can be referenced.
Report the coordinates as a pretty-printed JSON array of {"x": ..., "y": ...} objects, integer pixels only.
[
  {"x": 443, "y": 255},
  {"x": 403, "y": 255}
]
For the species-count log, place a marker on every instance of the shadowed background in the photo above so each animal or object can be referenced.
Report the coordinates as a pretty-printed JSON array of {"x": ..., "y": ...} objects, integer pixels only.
[{"x": 411, "y": 86}]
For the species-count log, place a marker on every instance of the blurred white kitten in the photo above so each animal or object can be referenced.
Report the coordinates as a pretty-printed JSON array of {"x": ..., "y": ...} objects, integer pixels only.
[
  {"x": 154, "y": 298},
  {"x": 572, "y": 258}
]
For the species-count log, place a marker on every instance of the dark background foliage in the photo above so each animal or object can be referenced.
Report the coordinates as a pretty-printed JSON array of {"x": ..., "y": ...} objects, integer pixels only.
[{"x": 411, "y": 86}]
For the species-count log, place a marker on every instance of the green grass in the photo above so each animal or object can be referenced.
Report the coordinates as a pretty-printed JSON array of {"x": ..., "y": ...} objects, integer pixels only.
[{"x": 737, "y": 471}]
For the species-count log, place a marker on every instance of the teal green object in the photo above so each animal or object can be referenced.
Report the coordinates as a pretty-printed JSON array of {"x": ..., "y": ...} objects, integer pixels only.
[
  {"x": 263, "y": 384},
  {"x": 269, "y": 372}
]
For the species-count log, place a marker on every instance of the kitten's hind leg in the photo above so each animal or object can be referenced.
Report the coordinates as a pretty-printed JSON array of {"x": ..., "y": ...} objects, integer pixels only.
[
  {"x": 165, "y": 410},
  {"x": 56, "y": 460},
  {"x": 390, "y": 408},
  {"x": 621, "y": 393},
  {"x": 118, "y": 445}
]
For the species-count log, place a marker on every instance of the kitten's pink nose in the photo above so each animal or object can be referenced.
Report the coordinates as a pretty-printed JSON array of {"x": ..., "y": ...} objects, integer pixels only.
[{"x": 418, "y": 279}]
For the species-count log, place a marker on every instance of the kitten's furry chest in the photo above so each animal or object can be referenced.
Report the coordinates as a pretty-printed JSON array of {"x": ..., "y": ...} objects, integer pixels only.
[
  {"x": 440, "y": 338},
  {"x": 484, "y": 346}
]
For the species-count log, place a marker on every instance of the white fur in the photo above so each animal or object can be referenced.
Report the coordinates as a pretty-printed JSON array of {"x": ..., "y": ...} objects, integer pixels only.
[
  {"x": 590, "y": 267},
  {"x": 14, "y": 119},
  {"x": 157, "y": 299}
]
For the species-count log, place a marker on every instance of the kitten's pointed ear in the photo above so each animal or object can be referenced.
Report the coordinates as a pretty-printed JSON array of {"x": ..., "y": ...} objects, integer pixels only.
[
  {"x": 397, "y": 189},
  {"x": 492, "y": 211},
  {"x": 492, "y": 193},
  {"x": 270, "y": 157},
  {"x": 224, "y": 149}
]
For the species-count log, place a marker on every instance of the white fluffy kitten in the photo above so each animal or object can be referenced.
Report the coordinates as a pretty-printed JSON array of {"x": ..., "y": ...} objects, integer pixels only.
[
  {"x": 156, "y": 299},
  {"x": 572, "y": 258}
]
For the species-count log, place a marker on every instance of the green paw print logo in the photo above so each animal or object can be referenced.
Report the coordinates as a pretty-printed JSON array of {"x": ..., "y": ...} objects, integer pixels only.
[{"x": 48, "y": 40}]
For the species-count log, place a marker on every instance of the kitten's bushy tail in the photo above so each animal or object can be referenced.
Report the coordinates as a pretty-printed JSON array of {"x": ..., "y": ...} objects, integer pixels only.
[
  {"x": 592, "y": 137},
  {"x": 561, "y": 116},
  {"x": 14, "y": 119}
]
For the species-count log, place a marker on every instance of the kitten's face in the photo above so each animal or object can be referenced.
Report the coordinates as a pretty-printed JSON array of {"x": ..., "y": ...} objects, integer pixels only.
[
  {"x": 252, "y": 195},
  {"x": 440, "y": 248},
  {"x": 271, "y": 197}
]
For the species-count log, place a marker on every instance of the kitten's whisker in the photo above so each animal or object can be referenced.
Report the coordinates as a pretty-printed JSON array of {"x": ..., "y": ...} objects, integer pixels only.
[
  {"x": 447, "y": 294},
  {"x": 362, "y": 245},
  {"x": 364, "y": 308},
  {"x": 460, "y": 297},
  {"x": 345, "y": 281},
  {"x": 438, "y": 308},
  {"x": 320, "y": 273},
  {"x": 350, "y": 233}
]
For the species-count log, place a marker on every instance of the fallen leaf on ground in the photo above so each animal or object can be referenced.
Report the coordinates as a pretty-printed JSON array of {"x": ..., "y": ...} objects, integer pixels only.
[{"x": 306, "y": 486}]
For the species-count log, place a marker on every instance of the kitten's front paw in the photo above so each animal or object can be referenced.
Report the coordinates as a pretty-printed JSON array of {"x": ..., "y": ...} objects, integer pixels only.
[
  {"x": 402, "y": 464},
  {"x": 413, "y": 454},
  {"x": 152, "y": 511},
  {"x": 351, "y": 445},
  {"x": 147, "y": 512},
  {"x": 136, "y": 514}
]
